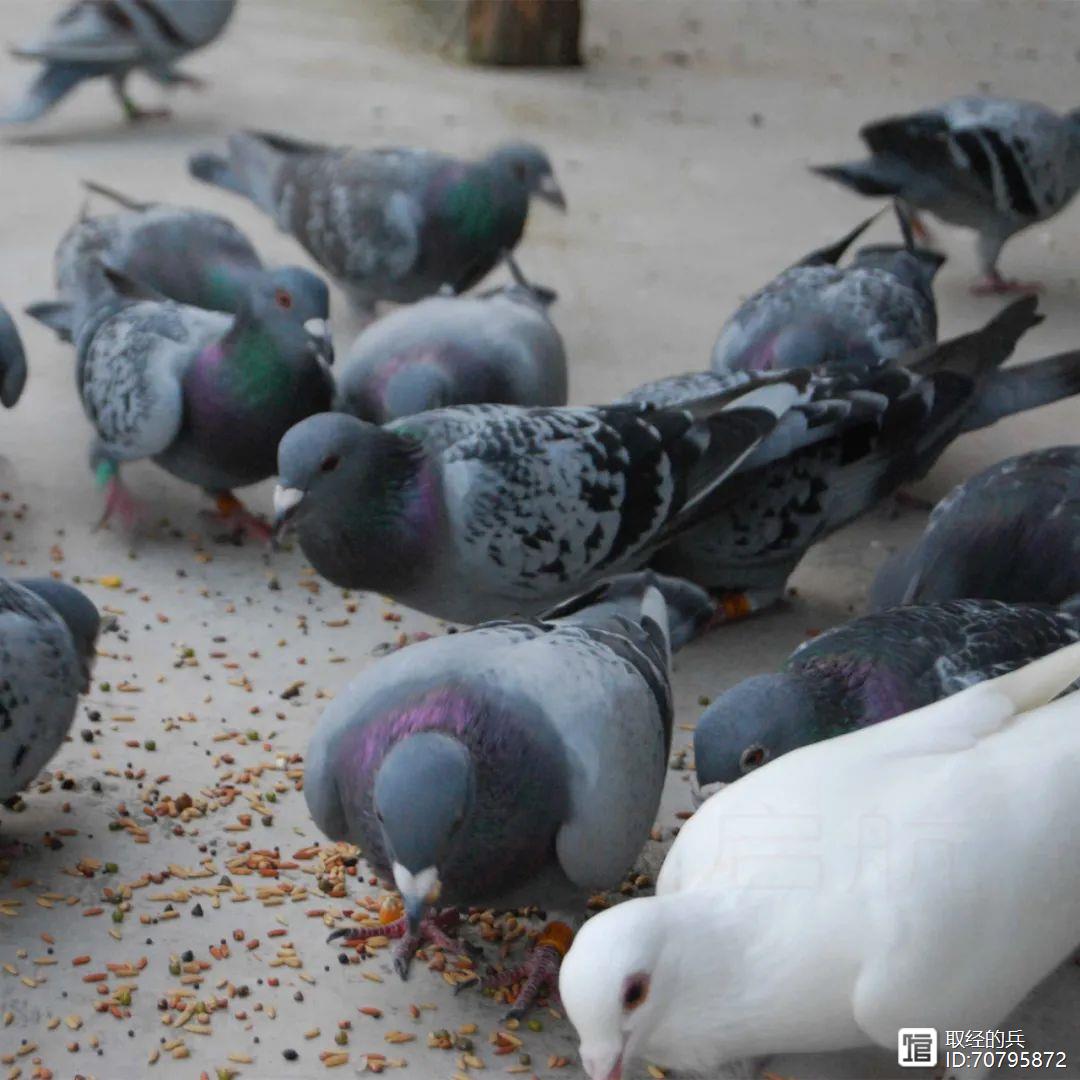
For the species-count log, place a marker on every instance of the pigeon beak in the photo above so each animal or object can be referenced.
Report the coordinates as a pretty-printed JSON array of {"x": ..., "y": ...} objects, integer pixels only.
[
  {"x": 701, "y": 793},
  {"x": 319, "y": 331},
  {"x": 548, "y": 189},
  {"x": 286, "y": 500},
  {"x": 604, "y": 1066},
  {"x": 418, "y": 892}
]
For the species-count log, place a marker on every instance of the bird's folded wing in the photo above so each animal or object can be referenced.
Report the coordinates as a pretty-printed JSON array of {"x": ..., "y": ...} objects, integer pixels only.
[{"x": 87, "y": 33}]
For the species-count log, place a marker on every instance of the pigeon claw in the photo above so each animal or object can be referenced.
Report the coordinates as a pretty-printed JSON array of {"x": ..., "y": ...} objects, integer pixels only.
[
  {"x": 232, "y": 512},
  {"x": 539, "y": 975},
  {"x": 996, "y": 285}
]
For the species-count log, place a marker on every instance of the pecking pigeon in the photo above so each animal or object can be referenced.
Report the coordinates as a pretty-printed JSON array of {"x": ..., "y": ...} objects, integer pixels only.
[
  {"x": 871, "y": 669},
  {"x": 48, "y": 637},
  {"x": 1009, "y": 533},
  {"x": 853, "y": 888},
  {"x": 515, "y": 763},
  {"x": 500, "y": 347},
  {"x": 206, "y": 395},
  {"x": 12, "y": 361},
  {"x": 873, "y": 311},
  {"x": 995, "y": 165},
  {"x": 112, "y": 38},
  {"x": 480, "y": 511},
  {"x": 863, "y": 433},
  {"x": 394, "y": 224},
  {"x": 190, "y": 256}
]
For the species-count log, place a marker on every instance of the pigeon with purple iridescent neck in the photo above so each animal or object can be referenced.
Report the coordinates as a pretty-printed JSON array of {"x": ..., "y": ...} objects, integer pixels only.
[
  {"x": 869, "y": 670},
  {"x": 190, "y": 256},
  {"x": 518, "y": 763},
  {"x": 12, "y": 361},
  {"x": 93, "y": 39},
  {"x": 206, "y": 395},
  {"x": 393, "y": 224}
]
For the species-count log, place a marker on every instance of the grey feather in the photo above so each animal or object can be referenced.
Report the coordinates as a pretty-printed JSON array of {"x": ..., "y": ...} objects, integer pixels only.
[{"x": 12, "y": 361}]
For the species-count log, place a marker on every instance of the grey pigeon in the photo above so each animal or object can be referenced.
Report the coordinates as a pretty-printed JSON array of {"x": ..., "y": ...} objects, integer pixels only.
[
  {"x": 12, "y": 361},
  {"x": 500, "y": 347},
  {"x": 863, "y": 434},
  {"x": 871, "y": 669},
  {"x": 481, "y": 511},
  {"x": 206, "y": 395},
  {"x": 515, "y": 763},
  {"x": 48, "y": 637},
  {"x": 873, "y": 311},
  {"x": 191, "y": 256},
  {"x": 1011, "y": 533},
  {"x": 995, "y": 165},
  {"x": 393, "y": 224},
  {"x": 94, "y": 39}
]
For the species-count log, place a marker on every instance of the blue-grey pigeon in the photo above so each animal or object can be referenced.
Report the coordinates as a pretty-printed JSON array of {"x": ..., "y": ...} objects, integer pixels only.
[
  {"x": 393, "y": 224},
  {"x": 110, "y": 39},
  {"x": 12, "y": 361}
]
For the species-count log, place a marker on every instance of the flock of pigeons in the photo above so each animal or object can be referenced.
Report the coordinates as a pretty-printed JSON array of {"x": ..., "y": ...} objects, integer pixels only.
[{"x": 522, "y": 761}]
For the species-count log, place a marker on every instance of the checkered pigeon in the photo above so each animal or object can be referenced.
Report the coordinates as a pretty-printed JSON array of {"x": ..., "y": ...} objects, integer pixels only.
[
  {"x": 479, "y": 511},
  {"x": 48, "y": 635},
  {"x": 869, "y": 670},
  {"x": 995, "y": 165},
  {"x": 1011, "y": 532},
  {"x": 110, "y": 39},
  {"x": 392, "y": 224}
]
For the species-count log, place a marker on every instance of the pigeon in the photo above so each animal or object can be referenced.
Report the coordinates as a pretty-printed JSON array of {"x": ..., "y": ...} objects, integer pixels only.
[
  {"x": 874, "y": 311},
  {"x": 995, "y": 165},
  {"x": 1009, "y": 533},
  {"x": 393, "y": 224},
  {"x": 206, "y": 395},
  {"x": 850, "y": 889},
  {"x": 864, "y": 433},
  {"x": 190, "y": 256},
  {"x": 871, "y": 669},
  {"x": 12, "y": 361},
  {"x": 499, "y": 347},
  {"x": 520, "y": 762},
  {"x": 94, "y": 39},
  {"x": 48, "y": 637},
  {"x": 482, "y": 511}
]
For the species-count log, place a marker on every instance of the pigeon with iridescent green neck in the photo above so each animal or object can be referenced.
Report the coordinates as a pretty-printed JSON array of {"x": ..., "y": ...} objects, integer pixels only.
[
  {"x": 206, "y": 395},
  {"x": 395, "y": 224},
  {"x": 187, "y": 255}
]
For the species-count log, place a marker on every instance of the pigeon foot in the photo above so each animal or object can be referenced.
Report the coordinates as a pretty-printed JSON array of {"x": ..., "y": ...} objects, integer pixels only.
[
  {"x": 120, "y": 503},
  {"x": 231, "y": 511},
  {"x": 538, "y": 974},
  {"x": 432, "y": 932},
  {"x": 733, "y": 606},
  {"x": 996, "y": 285}
]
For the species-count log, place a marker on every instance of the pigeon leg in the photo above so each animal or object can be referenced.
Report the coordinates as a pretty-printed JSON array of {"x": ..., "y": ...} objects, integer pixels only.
[
  {"x": 432, "y": 932},
  {"x": 119, "y": 502},
  {"x": 733, "y": 606},
  {"x": 134, "y": 112},
  {"x": 231, "y": 511},
  {"x": 540, "y": 971}
]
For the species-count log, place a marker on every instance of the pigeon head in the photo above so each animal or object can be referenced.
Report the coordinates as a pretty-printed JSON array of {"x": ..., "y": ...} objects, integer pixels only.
[
  {"x": 750, "y": 724},
  {"x": 293, "y": 309},
  {"x": 617, "y": 982},
  {"x": 354, "y": 492},
  {"x": 82, "y": 618},
  {"x": 424, "y": 792},
  {"x": 12, "y": 362},
  {"x": 414, "y": 388},
  {"x": 527, "y": 165}
]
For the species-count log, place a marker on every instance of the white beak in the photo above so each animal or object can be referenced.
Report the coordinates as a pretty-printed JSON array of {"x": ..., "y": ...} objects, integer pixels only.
[
  {"x": 318, "y": 328},
  {"x": 285, "y": 499}
]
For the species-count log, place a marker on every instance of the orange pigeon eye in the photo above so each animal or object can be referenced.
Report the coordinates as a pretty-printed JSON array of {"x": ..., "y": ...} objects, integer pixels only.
[{"x": 283, "y": 299}]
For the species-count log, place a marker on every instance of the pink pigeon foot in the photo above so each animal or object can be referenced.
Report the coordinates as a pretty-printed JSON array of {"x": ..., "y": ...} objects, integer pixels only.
[
  {"x": 996, "y": 285},
  {"x": 120, "y": 503},
  {"x": 539, "y": 973},
  {"x": 231, "y": 511},
  {"x": 432, "y": 932}
]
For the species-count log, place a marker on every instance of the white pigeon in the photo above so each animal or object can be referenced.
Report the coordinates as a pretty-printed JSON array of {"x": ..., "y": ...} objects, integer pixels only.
[{"x": 924, "y": 872}]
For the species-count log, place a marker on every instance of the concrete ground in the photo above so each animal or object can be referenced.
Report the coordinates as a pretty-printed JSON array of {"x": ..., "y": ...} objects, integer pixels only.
[{"x": 683, "y": 148}]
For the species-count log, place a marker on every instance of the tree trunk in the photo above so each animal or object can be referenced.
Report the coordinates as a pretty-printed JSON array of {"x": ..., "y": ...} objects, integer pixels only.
[{"x": 525, "y": 33}]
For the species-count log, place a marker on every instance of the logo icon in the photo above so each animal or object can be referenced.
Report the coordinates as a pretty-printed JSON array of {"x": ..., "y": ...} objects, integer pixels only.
[{"x": 916, "y": 1047}]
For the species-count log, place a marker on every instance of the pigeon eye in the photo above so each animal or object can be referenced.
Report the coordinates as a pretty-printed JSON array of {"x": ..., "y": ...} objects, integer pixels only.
[
  {"x": 752, "y": 757},
  {"x": 283, "y": 299},
  {"x": 329, "y": 464},
  {"x": 636, "y": 991}
]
